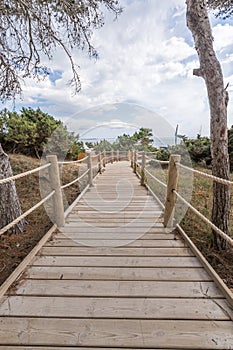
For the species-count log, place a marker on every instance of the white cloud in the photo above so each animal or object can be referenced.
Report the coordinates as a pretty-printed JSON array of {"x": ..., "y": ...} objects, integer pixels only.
[
  {"x": 144, "y": 57},
  {"x": 223, "y": 36}
]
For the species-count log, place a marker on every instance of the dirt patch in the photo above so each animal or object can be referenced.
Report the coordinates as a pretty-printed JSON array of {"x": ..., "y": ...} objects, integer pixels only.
[{"x": 14, "y": 248}]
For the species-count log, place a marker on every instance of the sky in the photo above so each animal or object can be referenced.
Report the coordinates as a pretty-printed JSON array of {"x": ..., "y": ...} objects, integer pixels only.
[{"x": 142, "y": 78}]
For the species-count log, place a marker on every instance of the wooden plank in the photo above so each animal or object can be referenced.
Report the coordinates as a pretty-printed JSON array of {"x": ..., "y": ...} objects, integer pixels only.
[
  {"x": 133, "y": 224},
  {"x": 117, "y": 333},
  {"x": 121, "y": 236},
  {"x": 155, "y": 289},
  {"x": 25, "y": 347},
  {"x": 26, "y": 261},
  {"x": 118, "y": 251},
  {"x": 119, "y": 273},
  {"x": 114, "y": 220},
  {"x": 123, "y": 308},
  {"x": 149, "y": 243},
  {"x": 219, "y": 282},
  {"x": 117, "y": 208},
  {"x": 120, "y": 262},
  {"x": 117, "y": 215},
  {"x": 87, "y": 228}
]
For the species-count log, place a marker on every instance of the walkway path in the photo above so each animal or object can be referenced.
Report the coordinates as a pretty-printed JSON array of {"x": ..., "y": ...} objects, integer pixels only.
[{"x": 114, "y": 279}]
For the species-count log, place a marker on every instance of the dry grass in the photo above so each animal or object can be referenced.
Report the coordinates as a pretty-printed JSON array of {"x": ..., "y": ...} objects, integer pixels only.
[
  {"x": 197, "y": 230},
  {"x": 15, "y": 247}
]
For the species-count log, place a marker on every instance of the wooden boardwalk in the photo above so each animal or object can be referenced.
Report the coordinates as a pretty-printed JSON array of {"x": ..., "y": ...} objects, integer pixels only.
[{"x": 114, "y": 279}]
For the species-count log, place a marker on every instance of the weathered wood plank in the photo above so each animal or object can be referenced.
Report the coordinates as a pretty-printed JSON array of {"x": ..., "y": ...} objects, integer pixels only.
[
  {"x": 117, "y": 333},
  {"x": 155, "y": 289},
  {"x": 143, "y": 221},
  {"x": 117, "y": 215},
  {"x": 133, "y": 297},
  {"x": 119, "y": 262},
  {"x": 118, "y": 251},
  {"x": 133, "y": 224},
  {"x": 120, "y": 273},
  {"x": 116, "y": 230},
  {"x": 183, "y": 309},
  {"x": 68, "y": 234},
  {"x": 24, "y": 347},
  {"x": 146, "y": 243}
]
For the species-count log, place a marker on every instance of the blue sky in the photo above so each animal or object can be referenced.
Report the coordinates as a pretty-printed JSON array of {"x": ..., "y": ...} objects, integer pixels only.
[{"x": 146, "y": 59}]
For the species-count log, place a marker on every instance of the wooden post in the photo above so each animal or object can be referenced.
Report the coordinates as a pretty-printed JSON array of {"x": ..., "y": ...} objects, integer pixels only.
[
  {"x": 131, "y": 158},
  {"x": 117, "y": 155},
  {"x": 54, "y": 177},
  {"x": 135, "y": 157},
  {"x": 100, "y": 163},
  {"x": 89, "y": 165},
  {"x": 173, "y": 176},
  {"x": 129, "y": 155},
  {"x": 143, "y": 175},
  {"x": 104, "y": 159},
  {"x": 112, "y": 156}
]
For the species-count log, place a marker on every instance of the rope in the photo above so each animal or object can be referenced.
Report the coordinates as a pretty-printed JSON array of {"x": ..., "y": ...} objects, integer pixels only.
[
  {"x": 158, "y": 161},
  {"x": 207, "y": 221},
  {"x": 29, "y": 172},
  {"x": 156, "y": 179},
  {"x": 21, "y": 217},
  {"x": 95, "y": 156},
  {"x": 209, "y": 176},
  {"x": 76, "y": 180},
  {"x": 74, "y": 161}
]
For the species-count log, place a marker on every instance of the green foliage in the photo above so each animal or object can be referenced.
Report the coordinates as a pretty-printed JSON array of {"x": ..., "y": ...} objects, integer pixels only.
[
  {"x": 124, "y": 142},
  {"x": 103, "y": 145},
  {"x": 89, "y": 144},
  {"x": 140, "y": 140},
  {"x": 29, "y": 132},
  {"x": 199, "y": 149},
  {"x": 143, "y": 140},
  {"x": 163, "y": 154}
]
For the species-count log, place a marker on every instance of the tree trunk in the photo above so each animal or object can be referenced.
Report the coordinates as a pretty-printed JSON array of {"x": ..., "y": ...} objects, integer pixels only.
[
  {"x": 10, "y": 207},
  {"x": 210, "y": 70}
]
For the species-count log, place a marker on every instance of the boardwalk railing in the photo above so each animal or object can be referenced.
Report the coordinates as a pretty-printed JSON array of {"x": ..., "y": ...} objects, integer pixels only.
[
  {"x": 95, "y": 164},
  {"x": 139, "y": 161}
]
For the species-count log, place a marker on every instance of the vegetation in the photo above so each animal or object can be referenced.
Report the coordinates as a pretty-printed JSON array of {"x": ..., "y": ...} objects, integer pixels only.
[
  {"x": 29, "y": 132},
  {"x": 15, "y": 247},
  {"x": 201, "y": 233},
  {"x": 140, "y": 140},
  {"x": 31, "y": 31}
]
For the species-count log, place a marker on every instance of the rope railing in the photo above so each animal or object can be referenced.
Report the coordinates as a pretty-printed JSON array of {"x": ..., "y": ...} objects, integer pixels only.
[
  {"x": 79, "y": 161},
  {"x": 54, "y": 178},
  {"x": 227, "y": 238},
  {"x": 24, "y": 215},
  {"x": 156, "y": 179},
  {"x": 172, "y": 189},
  {"x": 157, "y": 160},
  {"x": 209, "y": 176},
  {"x": 76, "y": 180},
  {"x": 21, "y": 175}
]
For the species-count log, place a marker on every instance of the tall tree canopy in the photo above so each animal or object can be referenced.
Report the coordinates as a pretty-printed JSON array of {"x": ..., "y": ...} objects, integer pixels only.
[
  {"x": 33, "y": 29},
  {"x": 224, "y": 7}
]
